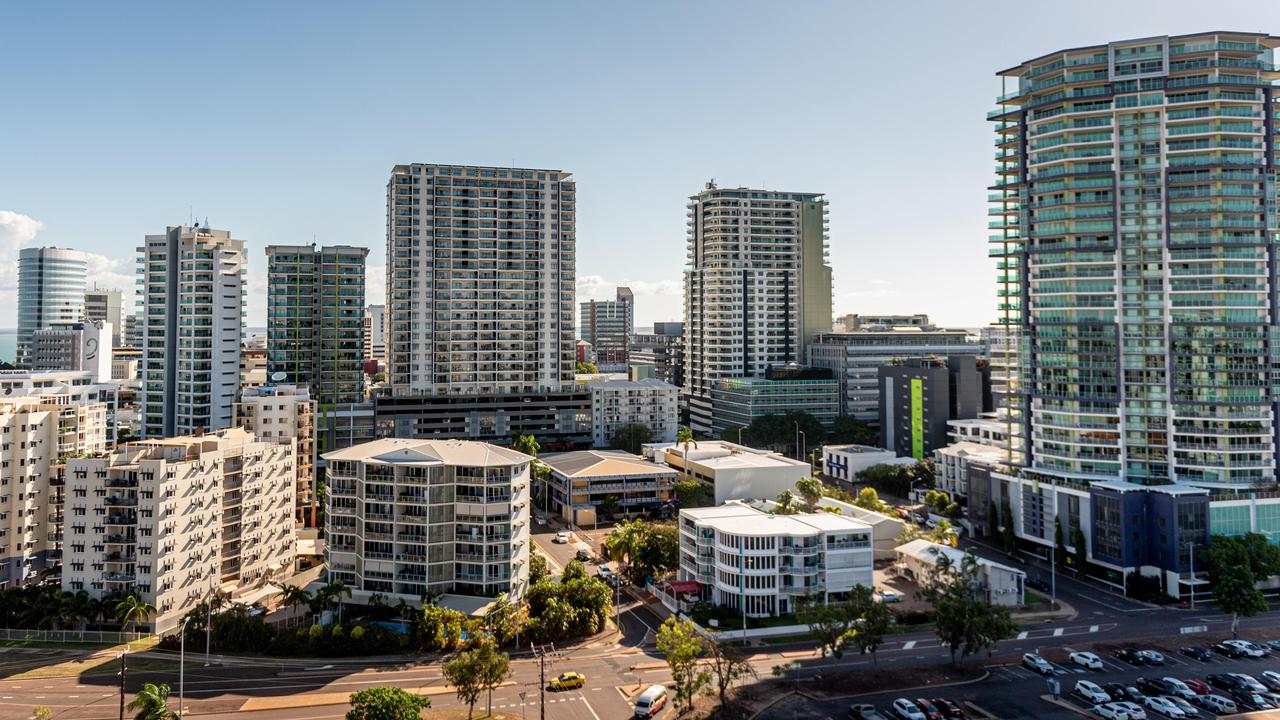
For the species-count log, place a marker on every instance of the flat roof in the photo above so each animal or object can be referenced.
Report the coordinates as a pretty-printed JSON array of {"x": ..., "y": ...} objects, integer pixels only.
[
  {"x": 742, "y": 519},
  {"x": 926, "y": 551},
  {"x": 988, "y": 453},
  {"x": 602, "y": 463},
  {"x": 856, "y": 448},
  {"x": 722, "y": 455}
]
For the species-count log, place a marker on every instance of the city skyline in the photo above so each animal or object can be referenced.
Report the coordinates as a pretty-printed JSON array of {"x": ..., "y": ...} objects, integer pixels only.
[{"x": 612, "y": 121}]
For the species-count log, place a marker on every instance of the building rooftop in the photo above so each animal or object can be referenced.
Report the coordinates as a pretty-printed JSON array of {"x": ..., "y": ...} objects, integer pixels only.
[
  {"x": 602, "y": 463},
  {"x": 740, "y": 518},
  {"x": 720, "y": 454},
  {"x": 977, "y": 451},
  {"x": 856, "y": 449},
  {"x": 929, "y": 552},
  {"x": 613, "y": 383},
  {"x": 393, "y": 451}
]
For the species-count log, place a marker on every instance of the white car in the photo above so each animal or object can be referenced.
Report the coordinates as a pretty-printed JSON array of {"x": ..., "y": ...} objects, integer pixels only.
[
  {"x": 907, "y": 710},
  {"x": 1217, "y": 704},
  {"x": 1134, "y": 710},
  {"x": 1165, "y": 706},
  {"x": 1035, "y": 663},
  {"x": 1086, "y": 660},
  {"x": 1188, "y": 710},
  {"x": 1111, "y": 711},
  {"x": 1246, "y": 648},
  {"x": 1092, "y": 693},
  {"x": 561, "y": 538},
  {"x": 1179, "y": 688},
  {"x": 1270, "y": 677}
]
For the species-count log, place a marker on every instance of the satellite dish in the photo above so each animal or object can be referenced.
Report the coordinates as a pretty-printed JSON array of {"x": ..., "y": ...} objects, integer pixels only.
[{"x": 278, "y": 376}]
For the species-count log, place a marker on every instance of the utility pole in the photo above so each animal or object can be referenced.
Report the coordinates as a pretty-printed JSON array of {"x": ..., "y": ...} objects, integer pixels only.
[
  {"x": 123, "y": 669},
  {"x": 542, "y": 681}
]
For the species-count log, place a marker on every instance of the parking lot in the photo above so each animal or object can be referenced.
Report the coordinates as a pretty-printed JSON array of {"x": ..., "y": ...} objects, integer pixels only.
[{"x": 1013, "y": 691}]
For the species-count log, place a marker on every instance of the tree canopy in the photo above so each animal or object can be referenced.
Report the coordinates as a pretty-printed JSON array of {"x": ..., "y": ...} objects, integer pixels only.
[
  {"x": 681, "y": 645},
  {"x": 386, "y": 703},
  {"x": 850, "y": 430},
  {"x": 967, "y": 623},
  {"x": 778, "y": 432},
  {"x": 631, "y": 437}
]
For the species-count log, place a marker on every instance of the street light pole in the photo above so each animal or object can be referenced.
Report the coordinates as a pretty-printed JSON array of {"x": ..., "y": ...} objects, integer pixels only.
[
  {"x": 1053, "y": 552},
  {"x": 182, "y": 667}
]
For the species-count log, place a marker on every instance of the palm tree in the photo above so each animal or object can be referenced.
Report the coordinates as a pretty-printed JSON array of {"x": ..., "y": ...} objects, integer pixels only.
[
  {"x": 293, "y": 595},
  {"x": 527, "y": 444},
  {"x": 785, "y": 500},
  {"x": 811, "y": 490},
  {"x": 133, "y": 609},
  {"x": 152, "y": 703},
  {"x": 684, "y": 438}
]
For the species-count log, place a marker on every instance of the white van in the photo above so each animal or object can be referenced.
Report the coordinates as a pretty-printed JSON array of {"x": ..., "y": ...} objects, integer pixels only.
[{"x": 651, "y": 701}]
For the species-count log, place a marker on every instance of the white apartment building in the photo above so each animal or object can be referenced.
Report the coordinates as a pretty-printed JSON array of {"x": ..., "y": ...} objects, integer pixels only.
[
  {"x": 376, "y": 346},
  {"x": 757, "y": 288},
  {"x": 737, "y": 472},
  {"x": 106, "y": 306},
  {"x": 409, "y": 518},
  {"x": 37, "y": 431},
  {"x": 174, "y": 519},
  {"x": 192, "y": 284},
  {"x": 618, "y": 403},
  {"x": 951, "y": 464},
  {"x": 480, "y": 279},
  {"x": 747, "y": 556},
  {"x": 70, "y": 386},
  {"x": 50, "y": 292},
  {"x": 285, "y": 414},
  {"x": 81, "y": 346}
]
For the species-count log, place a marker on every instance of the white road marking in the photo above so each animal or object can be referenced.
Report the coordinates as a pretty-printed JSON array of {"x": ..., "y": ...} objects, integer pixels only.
[
  {"x": 1022, "y": 635},
  {"x": 908, "y": 644},
  {"x": 589, "y": 708},
  {"x": 1057, "y": 632},
  {"x": 1093, "y": 628}
]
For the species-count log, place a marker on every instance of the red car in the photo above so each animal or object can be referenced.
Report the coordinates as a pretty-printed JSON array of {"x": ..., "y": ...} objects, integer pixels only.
[
  {"x": 930, "y": 710},
  {"x": 1198, "y": 687}
]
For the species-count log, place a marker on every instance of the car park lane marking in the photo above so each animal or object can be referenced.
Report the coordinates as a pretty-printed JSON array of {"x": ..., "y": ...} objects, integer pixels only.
[
  {"x": 908, "y": 644},
  {"x": 1023, "y": 635},
  {"x": 1093, "y": 628},
  {"x": 1057, "y": 632}
]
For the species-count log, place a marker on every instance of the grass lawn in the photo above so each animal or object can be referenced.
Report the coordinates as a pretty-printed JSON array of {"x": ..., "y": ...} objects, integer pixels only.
[
  {"x": 1031, "y": 597},
  {"x": 730, "y": 619}
]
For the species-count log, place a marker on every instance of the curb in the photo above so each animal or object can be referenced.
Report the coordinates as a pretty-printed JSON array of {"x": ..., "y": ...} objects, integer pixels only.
[
  {"x": 771, "y": 703},
  {"x": 985, "y": 675}
]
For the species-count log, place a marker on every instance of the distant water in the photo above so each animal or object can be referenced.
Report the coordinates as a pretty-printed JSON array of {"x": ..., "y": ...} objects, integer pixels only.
[{"x": 8, "y": 344}]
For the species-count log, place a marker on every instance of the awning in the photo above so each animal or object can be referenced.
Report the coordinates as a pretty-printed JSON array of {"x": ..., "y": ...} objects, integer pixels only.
[{"x": 686, "y": 586}]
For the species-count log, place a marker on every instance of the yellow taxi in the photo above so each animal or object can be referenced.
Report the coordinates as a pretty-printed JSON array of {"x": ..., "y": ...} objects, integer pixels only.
[{"x": 568, "y": 681}]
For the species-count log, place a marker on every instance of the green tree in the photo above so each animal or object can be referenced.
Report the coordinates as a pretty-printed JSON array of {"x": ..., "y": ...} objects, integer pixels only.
[
  {"x": 152, "y": 703},
  {"x": 993, "y": 516},
  {"x": 684, "y": 438},
  {"x": 828, "y": 622},
  {"x": 41, "y": 712},
  {"x": 526, "y": 444},
  {"x": 631, "y": 437},
  {"x": 869, "y": 499},
  {"x": 966, "y": 622},
  {"x": 133, "y": 609},
  {"x": 466, "y": 675},
  {"x": 810, "y": 490},
  {"x": 1006, "y": 527},
  {"x": 680, "y": 644},
  {"x": 292, "y": 595},
  {"x": 779, "y": 432},
  {"x": 786, "y": 502},
  {"x": 1081, "y": 553},
  {"x": 586, "y": 368},
  {"x": 874, "y": 621},
  {"x": 650, "y": 550},
  {"x": 1059, "y": 543},
  {"x": 850, "y": 430},
  {"x": 610, "y": 506},
  {"x": 1235, "y": 564},
  {"x": 728, "y": 666},
  {"x": 691, "y": 493},
  {"x": 538, "y": 569},
  {"x": 386, "y": 703}
]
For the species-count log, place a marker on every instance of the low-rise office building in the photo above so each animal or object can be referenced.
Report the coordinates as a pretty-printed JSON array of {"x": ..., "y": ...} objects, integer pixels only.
[
  {"x": 559, "y": 420},
  {"x": 737, "y": 472},
  {"x": 618, "y": 403},
  {"x": 174, "y": 519},
  {"x": 846, "y": 461},
  {"x": 749, "y": 557},
  {"x": 1001, "y": 584},
  {"x": 588, "y": 483},
  {"x": 951, "y": 464},
  {"x": 737, "y": 402},
  {"x": 411, "y": 518}
]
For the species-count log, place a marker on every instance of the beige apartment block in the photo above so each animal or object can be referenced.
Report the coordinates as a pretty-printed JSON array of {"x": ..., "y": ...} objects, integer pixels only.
[
  {"x": 285, "y": 414},
  {"x": 173, "y": 520},
  {"x": 36, "y": 433}
]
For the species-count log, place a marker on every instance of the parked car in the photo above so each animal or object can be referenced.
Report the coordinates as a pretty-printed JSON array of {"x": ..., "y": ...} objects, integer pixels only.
[
  {"x": 1225, "y": 681},
  {"x": 1151, "y": 686},
  {"x": 1092, "y": 693},
  {"x": 907, "y": 710},
  {"x": 930, "y": 710},
  {"x": 1151, "y": 657},
  {"x": 1111, "y": 711},
  {"x": 1134, "y": 709},
  {"x": 1086, "y": 660},
  {"x": 888, "y": 596},
  {"x": 1165, "y": 706},
  {"x": 1243, "y": 648},
  {"x": 1274, "y": 644},
  {"x": 1270, "y": 678},
  {"x": 1129, "y": 655},
  {"x": 1035, "y": 663},
  {"x": 1115, "y": 690},
  {"x": 1188, "y": 710},
  {"x": 1249, "y": 682},
  {"x": 1217, "y": 704},
  {"x": 1133, "y": 694},
  {"x": 568, "y": 681},
  {"x": 1177, "y": 688},
  {"x": 1256, "y": 647},
  {"x": 561, "y": 538},
  {"x": 1199, "y": 687},
  {"x": 862, "y": 711},
  {"x": 1203, "y": 654},
  {"x": 1247, "y": 700},
  {"x": 948, "y": 708}
]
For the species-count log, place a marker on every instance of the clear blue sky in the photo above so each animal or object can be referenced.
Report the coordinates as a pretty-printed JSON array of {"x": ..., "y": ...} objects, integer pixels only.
[{"x": 281, "y": 121}]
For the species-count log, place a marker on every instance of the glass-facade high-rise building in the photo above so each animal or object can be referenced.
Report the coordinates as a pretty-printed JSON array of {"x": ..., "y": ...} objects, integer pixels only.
[
  {"x": 315, "y": 319},
  {"x": 50, "y": 292},
  {"x": 1134, "y": 221}
]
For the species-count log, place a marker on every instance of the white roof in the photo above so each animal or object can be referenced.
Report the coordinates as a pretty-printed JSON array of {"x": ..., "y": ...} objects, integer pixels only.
[
  {"x": 742, "y": 519},
  {"x": 977, "y": 451},
  {"x": 718, "y": 454},
  {"x": 926, "y": 551},
  {"x": 449, "y": 452}
]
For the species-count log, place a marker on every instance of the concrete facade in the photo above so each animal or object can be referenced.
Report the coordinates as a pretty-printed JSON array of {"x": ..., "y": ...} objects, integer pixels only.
[
  {"x": 737, "y": 472},
  {"x": 618, "y": 403}
]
